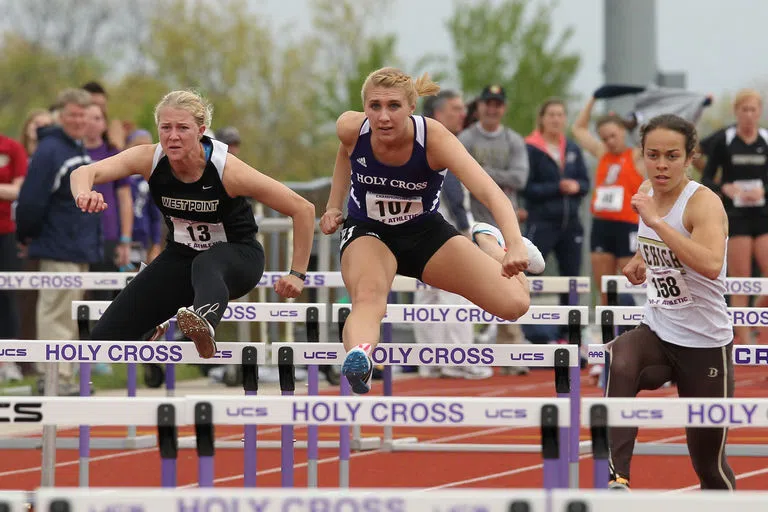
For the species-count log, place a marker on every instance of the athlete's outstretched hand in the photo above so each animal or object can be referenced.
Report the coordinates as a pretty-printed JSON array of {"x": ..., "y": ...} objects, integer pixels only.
[
  {"x": 635, "y": 270},
  {"x": 91, "y": 202},
  {"x": 331, "y": 220},
  {"x": 515, "y": 260},
  {"x": 289, "y": 286}
]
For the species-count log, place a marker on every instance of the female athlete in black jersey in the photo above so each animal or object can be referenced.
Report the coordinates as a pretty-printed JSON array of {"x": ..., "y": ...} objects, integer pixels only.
[{"x": 212, "y": 255}]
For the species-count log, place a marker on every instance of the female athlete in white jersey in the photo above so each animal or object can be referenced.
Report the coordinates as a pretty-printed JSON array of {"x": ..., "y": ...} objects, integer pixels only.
[{"x": 686, "y": 334}]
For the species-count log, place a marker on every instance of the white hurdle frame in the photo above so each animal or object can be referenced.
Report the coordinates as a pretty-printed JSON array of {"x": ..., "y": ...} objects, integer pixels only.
[
  {"x": 15, "y": 501},
  {"x": 274, "y": 500},
  {"x": 743, "y": 355},
  {"x": 206, "y": 411},
  {"x": 549, "y": 315},
  {"x": 602, "y": 414},
  {"x": 403, "y": 500}
]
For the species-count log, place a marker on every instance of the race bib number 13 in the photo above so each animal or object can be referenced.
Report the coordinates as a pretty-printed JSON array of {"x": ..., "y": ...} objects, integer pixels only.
[
  {"x": 667, "y": 289},
  {"x": 392, "y": 210},
  {"x": 198, "y": 235}
]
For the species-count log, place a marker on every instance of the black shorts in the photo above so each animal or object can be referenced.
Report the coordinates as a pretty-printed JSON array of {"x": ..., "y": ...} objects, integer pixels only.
[
  {"x": 412, "y": 245},
  {"x": 613, "y": 237},
  {"x": 748, "y": 225}
]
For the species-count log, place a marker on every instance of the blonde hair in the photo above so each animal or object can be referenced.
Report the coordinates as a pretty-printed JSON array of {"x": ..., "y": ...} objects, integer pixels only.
[
  {"x": 200, "y": 109},
  {"x": 79, "y": 97},
  {"x": 746, "y": 94},
  {"x": 393, "y": 77}
]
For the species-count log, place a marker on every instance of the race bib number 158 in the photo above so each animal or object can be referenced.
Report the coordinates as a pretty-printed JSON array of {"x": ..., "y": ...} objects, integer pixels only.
[{"x": 667, "y": 289}]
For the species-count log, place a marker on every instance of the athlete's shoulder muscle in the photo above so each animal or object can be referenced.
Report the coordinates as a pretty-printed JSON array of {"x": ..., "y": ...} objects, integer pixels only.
[{"x": 348, "y": 127}]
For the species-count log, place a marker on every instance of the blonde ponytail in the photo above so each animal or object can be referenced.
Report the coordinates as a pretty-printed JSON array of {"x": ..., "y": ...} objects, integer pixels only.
[{"x": 393, "y": 77}]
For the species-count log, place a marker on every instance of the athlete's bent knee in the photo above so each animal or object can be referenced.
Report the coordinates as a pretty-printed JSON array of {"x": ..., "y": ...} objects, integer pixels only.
[
  {"x": 511, "y": 310},
  {"x": 370, "y": 295}
]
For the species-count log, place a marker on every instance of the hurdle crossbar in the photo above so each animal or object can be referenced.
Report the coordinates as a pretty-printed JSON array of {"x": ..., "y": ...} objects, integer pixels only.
[
  {"x": 602, "y": 414},
  {"x": 118, "y": 280},
  {"x": 274, "y": 500},
  {"x": 15, "y": 501},
  {"x": 734, "y": 286},
  {"x": 563, "y": 500}
]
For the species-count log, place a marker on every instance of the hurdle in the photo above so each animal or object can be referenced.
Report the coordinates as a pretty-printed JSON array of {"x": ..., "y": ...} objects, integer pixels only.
[
  {"x": 391, "y": 500},
  {"x": 605, "y": 413},
  {"x": 15, "y": 501},
  {"x": 248, "y": 355},
  {"x": 273, "y": 500},
  {"x": 566, "y": 364},
  {"x": 644, "y": 500},
  {"x": 743, "y": 355},
  {"x": 168, "y": 413}
]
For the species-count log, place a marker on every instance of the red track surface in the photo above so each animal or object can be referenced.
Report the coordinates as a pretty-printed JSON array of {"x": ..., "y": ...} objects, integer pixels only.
[{"x": 20, "y": 469}]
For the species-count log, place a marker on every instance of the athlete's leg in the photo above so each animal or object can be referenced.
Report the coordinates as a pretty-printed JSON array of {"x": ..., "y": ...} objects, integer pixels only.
[
  {"x": 740, "y": 250},
  {"x": 151, "y": 298},
  {"x": 603, "y": 264},
  {"x": 461, "y": 267},
  {"x": 225, "y": 271},
  {"x": 761, "y": 255},
  {"x": 368, "y": 268},
  {"x": 707, "y": 373},
  {"x": 638, "y": 361},
  {"x": 491, "y": 241}
]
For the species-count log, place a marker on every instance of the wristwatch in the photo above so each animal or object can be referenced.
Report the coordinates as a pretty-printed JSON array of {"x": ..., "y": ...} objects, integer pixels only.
[{"x": 298, "y": 274}]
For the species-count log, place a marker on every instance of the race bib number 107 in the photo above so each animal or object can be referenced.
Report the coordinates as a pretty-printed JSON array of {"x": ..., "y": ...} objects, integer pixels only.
[{"x": 392, "y": 210}]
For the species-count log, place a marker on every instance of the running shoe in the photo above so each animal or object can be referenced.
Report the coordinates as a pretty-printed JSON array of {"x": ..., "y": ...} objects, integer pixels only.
[
  {"x": 160, "y": 331},
  {"x": 357, "y": 368},
  {"x": 618, "y": 484},
  {"x": 536, "y": 263},
  {"x": 197, "y": 328}
]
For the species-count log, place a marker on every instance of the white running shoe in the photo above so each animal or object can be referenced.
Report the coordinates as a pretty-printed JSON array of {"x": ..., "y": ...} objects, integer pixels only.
[
  {"x": 197, "y": 328},
  {"x": 536, "y": 263}
]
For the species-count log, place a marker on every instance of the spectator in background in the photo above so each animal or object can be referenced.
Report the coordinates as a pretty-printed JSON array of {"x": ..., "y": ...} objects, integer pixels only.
[
  {"x": 147, "y": 219},
  {"x": 557, "y": 183},
  {"x": 117, "y": 220},
  {"x": 230, "y": 136},
  {"x": 447, "y": 107},
  {"x": 36, "y": 119},
  {"x": 115, "y": 130},
  {"x": 502, "y": 154},
  {"x": 741, "y": 153},
  {"x": 13, "y": 169},
  {"x": 49, "y": 223},
  {"x": 620, "y": 172}
]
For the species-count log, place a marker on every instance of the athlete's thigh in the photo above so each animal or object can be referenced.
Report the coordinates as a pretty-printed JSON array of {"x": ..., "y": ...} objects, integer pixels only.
[
  {"x": 368, "y": 268},
  {"x": 150, "y": 298},
  {"x": 461, "y": 267},
  {"x": 639, "y": 354},
  {"x": 239, "y": 265},
  {"x": 740, "y": 256},
  {"x": 761, "y": 252}
]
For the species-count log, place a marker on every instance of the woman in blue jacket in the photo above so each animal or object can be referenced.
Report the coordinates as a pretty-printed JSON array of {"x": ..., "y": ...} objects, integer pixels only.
[{"x": 557, "y": 183}]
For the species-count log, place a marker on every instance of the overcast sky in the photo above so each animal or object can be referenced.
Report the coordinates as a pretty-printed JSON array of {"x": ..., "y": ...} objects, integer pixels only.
[{"x": 718, "y": 43}]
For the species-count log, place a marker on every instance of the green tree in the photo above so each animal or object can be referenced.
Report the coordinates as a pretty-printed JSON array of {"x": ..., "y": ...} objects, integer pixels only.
[
  {"x": 31, "y": 77},
  {"x": 504, "y": 43},
  {"x": 347, "y": 55}
]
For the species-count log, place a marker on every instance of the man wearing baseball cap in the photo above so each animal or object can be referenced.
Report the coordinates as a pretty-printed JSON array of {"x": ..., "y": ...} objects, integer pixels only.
[
  {"x": 230, "y": 136},
  {"x": 502, "y": 153}
]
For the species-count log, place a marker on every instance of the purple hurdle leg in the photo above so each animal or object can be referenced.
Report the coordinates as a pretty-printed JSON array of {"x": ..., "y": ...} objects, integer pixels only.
[
  {"x": 286, "y": 452},
  {"x": 313, "y": 453},
  {"x": 249, "y": 452},
  {"x": 344, "y": 446},
  {"x": 85, "y": 430}
]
